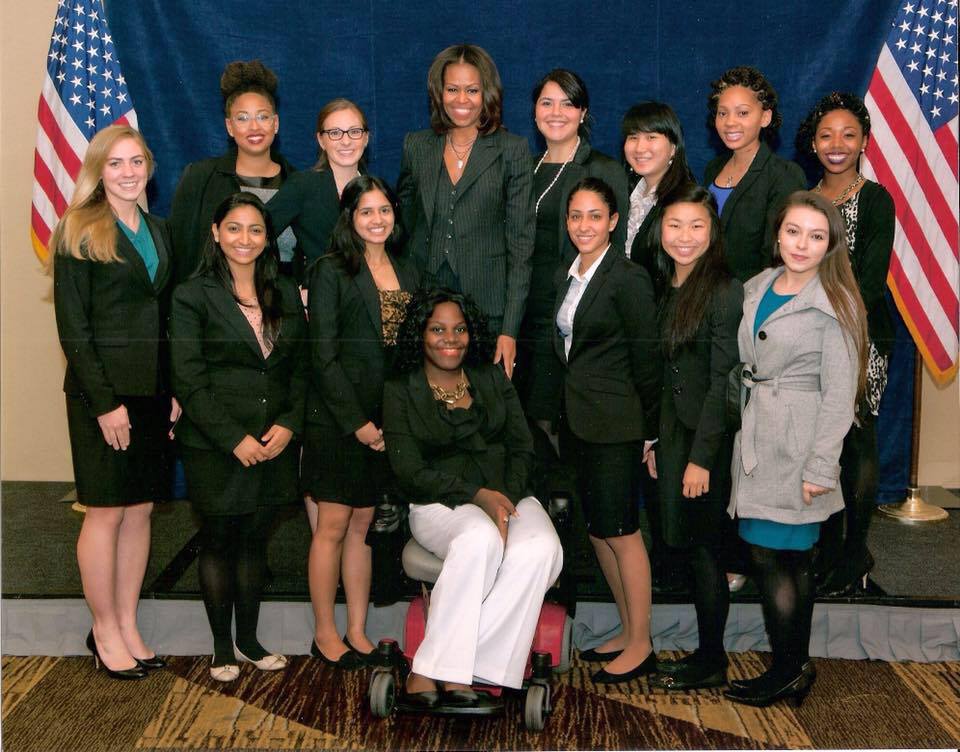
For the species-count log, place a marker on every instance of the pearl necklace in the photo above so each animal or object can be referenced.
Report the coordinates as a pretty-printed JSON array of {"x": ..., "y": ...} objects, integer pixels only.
[
  {"x": 450, "y": 398},
  {"x": 844, "y": 193},
  {"x": 556, "y": 177}
]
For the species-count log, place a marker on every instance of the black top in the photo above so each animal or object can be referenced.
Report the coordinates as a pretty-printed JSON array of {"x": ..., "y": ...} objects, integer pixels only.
[
  {"x": 446, "y": 456},
  {"x": 202, "y": 187},
  {"x": 546, "y": 255},
  {"x": 750, "y": 212},
  {"x": 111, "y": 318}
]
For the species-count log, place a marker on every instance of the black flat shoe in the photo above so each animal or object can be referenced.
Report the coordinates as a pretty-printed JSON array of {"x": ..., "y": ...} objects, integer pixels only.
[
  {"x": 647, "y": 666},
  {"x": 349, "y": 661},
  {"x": 769, "y": 689},
  {"x": 127, "y": 674},
  {"x": 592, "y": 656},
  {"x": 373, "y": 658},
  {"x": 808, "y": 668},
  {"x": 151, "y": 663},
  {"x": 419, "y": 700},
  {"x": 694, "y": 658},
  {"x": 460, "y": 698},
  {"x": 691, "y": 676}
]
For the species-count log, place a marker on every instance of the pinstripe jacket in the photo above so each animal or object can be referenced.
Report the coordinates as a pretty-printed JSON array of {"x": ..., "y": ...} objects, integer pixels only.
[{"x": 493, "y": 219}]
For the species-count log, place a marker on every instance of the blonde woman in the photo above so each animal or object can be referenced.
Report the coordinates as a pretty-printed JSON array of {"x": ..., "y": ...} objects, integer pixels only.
[{"x": 111, "y": 268}]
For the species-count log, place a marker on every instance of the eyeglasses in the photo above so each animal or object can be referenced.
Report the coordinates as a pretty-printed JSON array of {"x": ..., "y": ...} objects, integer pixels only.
[
  {"x": 335, "y": 134},
  {"x": 244, "y": 118}
]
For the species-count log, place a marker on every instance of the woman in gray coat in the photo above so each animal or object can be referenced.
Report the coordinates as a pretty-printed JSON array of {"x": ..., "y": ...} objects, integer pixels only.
[{"x": 803, "y": 343}]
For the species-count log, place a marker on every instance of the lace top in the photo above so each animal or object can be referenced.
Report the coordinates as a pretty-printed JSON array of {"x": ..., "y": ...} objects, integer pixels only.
[
  {"x": 393, "y": 309},
  {"x": 254, "y": 317}
]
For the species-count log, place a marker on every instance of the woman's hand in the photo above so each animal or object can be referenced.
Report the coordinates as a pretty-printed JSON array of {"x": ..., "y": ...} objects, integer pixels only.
[
  {"x": 812, "y": 489},
  {"x": 175, "y": 412},
  {"x": 696, "y": 481},
  {"x": 498, "y": 507},
  {"x": 115, "y": 426},
  {"x": 650, "y": 459},
  {"x": 275, "y": 440},
  {"x": 371, "y": 436},
  {"x": 250, "y": 451},
  {"x": 507, "y": 353}
]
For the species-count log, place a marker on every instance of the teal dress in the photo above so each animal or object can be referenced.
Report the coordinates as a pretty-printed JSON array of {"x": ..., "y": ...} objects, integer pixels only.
[{"x": 767, "y": 533}]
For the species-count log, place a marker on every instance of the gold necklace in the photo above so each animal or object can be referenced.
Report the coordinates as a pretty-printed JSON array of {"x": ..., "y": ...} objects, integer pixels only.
[
  {"x": 844, "y": 193},
  {"x": 450, "y": 398}
]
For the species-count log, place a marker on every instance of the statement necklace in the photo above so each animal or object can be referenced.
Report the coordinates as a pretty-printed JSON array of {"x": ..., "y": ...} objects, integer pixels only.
[
  {"x": 461, "y": 158},
  {"x": 844, "y": 193},
  {"x": 450, "y": 398},
  {"x": 556, "y": 177}
]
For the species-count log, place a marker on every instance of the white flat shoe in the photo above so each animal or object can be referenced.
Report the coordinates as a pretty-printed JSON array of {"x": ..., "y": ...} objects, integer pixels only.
[
  {"x": 227, "y": 673},
  {"x": 269, "y": 662}
]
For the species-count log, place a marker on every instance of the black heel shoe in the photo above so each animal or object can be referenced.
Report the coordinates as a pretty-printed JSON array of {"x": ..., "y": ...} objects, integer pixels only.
[
  {"x": 150, "y": 664},
  {"x": 647, "y": 666},
  {"x": 767, "y": 690},
  {"x": 847, "y": 580},
  {"x": 135, "y": 672},
  {"x": 349, "y": 661}
]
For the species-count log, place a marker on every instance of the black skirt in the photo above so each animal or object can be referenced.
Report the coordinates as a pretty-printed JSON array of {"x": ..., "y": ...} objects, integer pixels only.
[
  {"x": 218, "y": 484},
  {"x": 340, "y": 469},
  {"x": 107, "y": 477},
  {"x": 539, "y": 373}
]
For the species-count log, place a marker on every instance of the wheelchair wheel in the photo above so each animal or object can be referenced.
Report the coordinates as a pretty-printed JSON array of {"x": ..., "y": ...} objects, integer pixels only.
[
  {"x": 535, "y": 708},
  {"x": 383, "y": 693},
  {"x": 563, "y": 664}
]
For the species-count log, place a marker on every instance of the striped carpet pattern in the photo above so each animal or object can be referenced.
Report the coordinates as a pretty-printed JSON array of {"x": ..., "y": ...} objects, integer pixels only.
[{"x": 63, "y": 704}]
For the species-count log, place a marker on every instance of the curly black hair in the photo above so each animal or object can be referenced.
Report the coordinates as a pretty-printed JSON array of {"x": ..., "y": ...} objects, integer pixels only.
[
  {"x": 243, "y": 76},
  {"x": 408, "y": 356},
  {"x": 749, "y": 78},
  {"x": 835, "y": 100}
]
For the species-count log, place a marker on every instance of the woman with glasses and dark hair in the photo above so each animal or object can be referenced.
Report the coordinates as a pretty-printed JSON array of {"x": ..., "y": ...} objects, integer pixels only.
[
  {"x": 465, "y": 190},
  {"x": 237, "y": 341},
  {"x": 309, "y": 201},
  {"x": 358, "y": 297},
  {"x": 249, "y": 91},
  {"x": 561, "y": 112}
]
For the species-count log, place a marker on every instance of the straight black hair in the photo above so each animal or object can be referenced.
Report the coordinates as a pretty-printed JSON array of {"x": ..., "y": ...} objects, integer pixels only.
[
  {"x": 345, "y": 244},
  {"x": 657, "y": 117}
]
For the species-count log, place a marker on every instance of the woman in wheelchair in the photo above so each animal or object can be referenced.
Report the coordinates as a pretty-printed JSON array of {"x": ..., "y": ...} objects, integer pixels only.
[{"x": 460, "y": 447}]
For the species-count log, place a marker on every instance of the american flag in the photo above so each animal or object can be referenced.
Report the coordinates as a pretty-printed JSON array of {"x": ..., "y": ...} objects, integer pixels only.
[
  {"x": 83, "y": 91},
  {"x": 912, "y": 101}
]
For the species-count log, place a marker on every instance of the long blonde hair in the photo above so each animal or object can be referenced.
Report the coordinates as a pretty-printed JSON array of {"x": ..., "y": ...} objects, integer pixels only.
[
  {"x": 88, "y": 229},
  {"x": 836, "y": 276}
]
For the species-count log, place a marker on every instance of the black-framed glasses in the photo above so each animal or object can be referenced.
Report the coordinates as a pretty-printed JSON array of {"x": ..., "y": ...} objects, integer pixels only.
[{"x": 335, "y": 134}]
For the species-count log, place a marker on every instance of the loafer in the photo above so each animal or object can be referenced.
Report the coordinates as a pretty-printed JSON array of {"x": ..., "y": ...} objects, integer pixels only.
[
  {"x": 349, "y": 661},
  {"x": 692, "y": 676},
  {"x": 647, "y": 666}
]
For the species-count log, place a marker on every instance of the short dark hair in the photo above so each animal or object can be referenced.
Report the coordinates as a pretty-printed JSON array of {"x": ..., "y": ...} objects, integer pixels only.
[
  {"x": 749, "y": 78},
  {"x": 266, "y": 268},
  {"x": 576, "y": 91},
  {"x": 594, "y": 185},
  {"x": 245, "y": 76},
  {"x": 491, "y": 113},
  {"x": 835, "y": 100},
  {"x": 408, "y": 355},
  {"x": 657, "y": 117},
  {"x": 345, "y": 244}
]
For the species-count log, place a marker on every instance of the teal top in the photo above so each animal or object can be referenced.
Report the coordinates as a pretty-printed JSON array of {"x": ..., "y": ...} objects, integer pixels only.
[
  {"x": 779, "y": 535},
  {"x": 143, "y": 241}
]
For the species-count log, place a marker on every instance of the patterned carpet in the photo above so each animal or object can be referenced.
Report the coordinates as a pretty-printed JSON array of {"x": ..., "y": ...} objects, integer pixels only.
[{"x": 63, "y": 704}]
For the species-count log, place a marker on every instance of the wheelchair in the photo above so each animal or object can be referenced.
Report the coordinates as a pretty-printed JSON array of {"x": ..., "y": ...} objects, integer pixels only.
[{"x": 550, "y": 652}]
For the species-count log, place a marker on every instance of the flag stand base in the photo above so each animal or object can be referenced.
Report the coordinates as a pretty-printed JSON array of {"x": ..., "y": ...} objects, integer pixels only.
[{"x": 913, "y": 509}]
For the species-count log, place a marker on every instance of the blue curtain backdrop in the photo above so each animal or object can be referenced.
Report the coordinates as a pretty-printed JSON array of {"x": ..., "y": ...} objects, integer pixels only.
[{"x": 377, "y": 53}]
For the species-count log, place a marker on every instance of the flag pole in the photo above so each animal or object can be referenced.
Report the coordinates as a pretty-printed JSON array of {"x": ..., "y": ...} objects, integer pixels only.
[{"x": 914, "y": 509}]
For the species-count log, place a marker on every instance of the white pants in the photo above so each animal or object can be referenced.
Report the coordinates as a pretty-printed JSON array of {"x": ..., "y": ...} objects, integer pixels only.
[{"x": 486, "y": 602}]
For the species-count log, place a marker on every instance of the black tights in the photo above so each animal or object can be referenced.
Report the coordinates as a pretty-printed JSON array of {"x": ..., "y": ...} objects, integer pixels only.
[
  {"x": 711, "y": 598},
  {"x": 232, "y": 558},
  {"x": 785, "y": 580}
]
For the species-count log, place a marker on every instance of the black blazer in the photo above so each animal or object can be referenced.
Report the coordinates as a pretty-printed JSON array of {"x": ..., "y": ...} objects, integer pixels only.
[
  {"x": 447, "y": 456},
  {"x": 750, "y": 211},
  {"x": 588, "y": 162},
  {"x": 225, "y": 386},
  {"x": 493, "y": 220},
  {"x": 203, "y": 185},
  {"x": 645, "y": 247},
  {"x": 348, "y": 361},
  {"x": 308, "y": 202},
  {"x": 111, "y": 319},
  {"x": 696, "y": 375},
  {"x": 612, "y": 376},
  {"x": 872, "y": 246}
]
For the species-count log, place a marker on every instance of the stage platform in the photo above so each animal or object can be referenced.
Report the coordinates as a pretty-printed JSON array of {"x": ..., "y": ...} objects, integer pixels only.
[{"x": 910, "y": 611}]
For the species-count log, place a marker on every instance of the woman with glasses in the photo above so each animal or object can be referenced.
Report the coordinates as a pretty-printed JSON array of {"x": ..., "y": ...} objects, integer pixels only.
[
  {"x": 249, "y": 92},
  {"x": 309, "y": 202}
]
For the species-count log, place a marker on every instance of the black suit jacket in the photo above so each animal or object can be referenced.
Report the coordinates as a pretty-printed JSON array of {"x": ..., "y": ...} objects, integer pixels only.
[
  {"x": 612, "y": 377},
  {"x": 750, "y": 212},
  {"x": 348, "y": 360},
  {"x": 493, "y": 220},
  {"x": 226, "y": 387},
  {"x": 202, "y": 187},
  {"x": 696, "y": 374},
  {"x": 111, "y": 319},
  {"x": 439, "y": 457}
]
